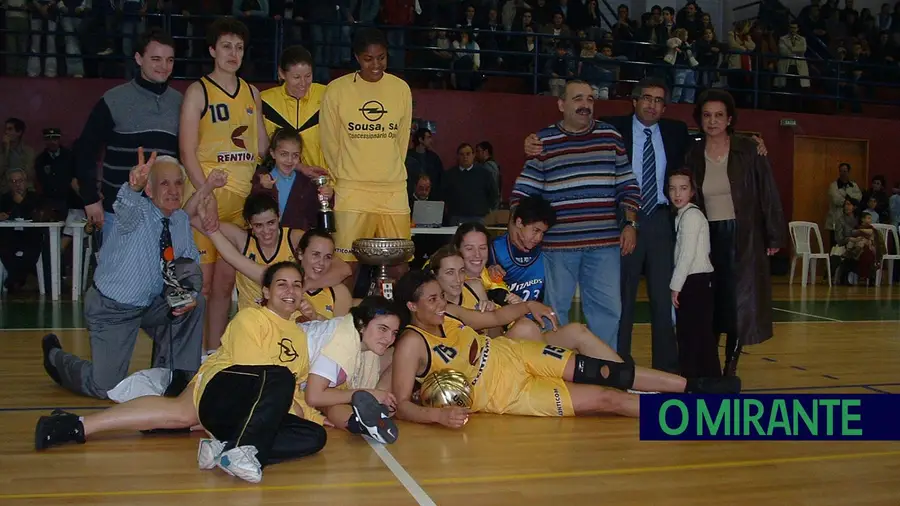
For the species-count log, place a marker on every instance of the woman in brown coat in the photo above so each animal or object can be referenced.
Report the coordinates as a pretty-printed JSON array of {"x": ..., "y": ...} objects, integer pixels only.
[{"x": 736, "y": 190}]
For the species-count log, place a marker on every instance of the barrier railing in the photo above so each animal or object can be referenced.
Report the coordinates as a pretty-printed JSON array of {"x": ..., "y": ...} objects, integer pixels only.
[{"x": 841, "y": 81}]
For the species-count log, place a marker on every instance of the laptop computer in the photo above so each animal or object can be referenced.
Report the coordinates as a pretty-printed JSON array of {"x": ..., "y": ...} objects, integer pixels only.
[{"x": 428, "y": 214}]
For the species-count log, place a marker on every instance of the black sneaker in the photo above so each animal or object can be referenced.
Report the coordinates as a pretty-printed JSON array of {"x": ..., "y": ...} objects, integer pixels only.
[
  {"x": 722, "y": 385},
  {"x": 58, "y": 428},
  {"x": 373, "y": 416},
  {"x": 48, "y": 343}
]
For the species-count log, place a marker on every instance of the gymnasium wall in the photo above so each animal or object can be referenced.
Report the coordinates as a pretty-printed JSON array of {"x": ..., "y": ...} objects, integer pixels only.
[{"x": 502, "y": 119}]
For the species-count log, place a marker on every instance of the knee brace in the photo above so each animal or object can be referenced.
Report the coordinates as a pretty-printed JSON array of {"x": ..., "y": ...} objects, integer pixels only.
[{"x": 596, "y": 371}]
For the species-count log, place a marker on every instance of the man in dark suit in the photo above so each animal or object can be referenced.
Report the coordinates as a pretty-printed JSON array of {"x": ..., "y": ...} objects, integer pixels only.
[{"x": 656, "y": 146}]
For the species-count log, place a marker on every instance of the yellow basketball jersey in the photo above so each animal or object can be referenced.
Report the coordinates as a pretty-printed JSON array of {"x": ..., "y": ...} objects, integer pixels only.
[
  {"x": 249, "y": 291},
  {"x": 459, "y": 347},
  {"x": 322, "y": 301},
  {"x": 468, "y": 299},
  {"x": 229, "y": 134}
]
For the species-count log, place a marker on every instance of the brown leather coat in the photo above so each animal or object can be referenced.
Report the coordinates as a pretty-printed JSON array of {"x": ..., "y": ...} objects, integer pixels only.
[{"x": 760, "y": 224}]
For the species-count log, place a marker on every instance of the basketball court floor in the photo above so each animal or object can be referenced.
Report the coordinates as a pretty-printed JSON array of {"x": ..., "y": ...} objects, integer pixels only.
[{"x": 827, "y": 340}]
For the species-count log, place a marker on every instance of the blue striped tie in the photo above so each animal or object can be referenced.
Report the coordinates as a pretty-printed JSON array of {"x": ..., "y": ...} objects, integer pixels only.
[{"x": 648, "y": 179}]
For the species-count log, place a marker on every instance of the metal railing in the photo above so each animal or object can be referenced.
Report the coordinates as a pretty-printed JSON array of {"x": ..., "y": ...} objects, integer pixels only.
[{"x": 832, "y": 79}]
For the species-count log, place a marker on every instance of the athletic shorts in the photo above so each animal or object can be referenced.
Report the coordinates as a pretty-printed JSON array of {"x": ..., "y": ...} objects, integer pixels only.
[
  {"x": 528, "y": 379},
  {"x": 352, "y": 225},
  {"x": 231, "y": 210}
]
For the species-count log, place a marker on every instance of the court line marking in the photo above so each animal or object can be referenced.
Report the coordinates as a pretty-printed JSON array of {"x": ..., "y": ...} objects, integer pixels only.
[
  {"x": 42, "y": 328},
  {"x": 466, "y": 479},
  {"x": 806, "y": 314},
  {"x": 408, "y": 482},
  {"x": 818, "y": 387}
]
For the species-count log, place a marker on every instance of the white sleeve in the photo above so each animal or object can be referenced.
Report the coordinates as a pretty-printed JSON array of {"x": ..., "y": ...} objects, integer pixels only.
[{"x": 326, "y": 368}]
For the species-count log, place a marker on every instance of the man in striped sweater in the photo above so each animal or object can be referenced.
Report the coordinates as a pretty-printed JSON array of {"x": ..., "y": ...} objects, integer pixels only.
[
  {"x": 143, "y": 112},
  {"x": 584, "y": 172}
]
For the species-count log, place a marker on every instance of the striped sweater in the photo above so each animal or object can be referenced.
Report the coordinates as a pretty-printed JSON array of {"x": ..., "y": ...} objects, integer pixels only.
[
  {"x": 136, "y": 114},
  {"x": 585, "y": 177}
]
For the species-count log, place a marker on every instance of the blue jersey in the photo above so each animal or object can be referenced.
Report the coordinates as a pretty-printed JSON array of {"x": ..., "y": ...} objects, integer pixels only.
[{"x": 524, "y": 271}]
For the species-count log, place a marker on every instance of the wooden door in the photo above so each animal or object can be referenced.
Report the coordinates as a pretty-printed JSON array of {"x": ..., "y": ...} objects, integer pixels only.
[{"x": 816, "y": 161}]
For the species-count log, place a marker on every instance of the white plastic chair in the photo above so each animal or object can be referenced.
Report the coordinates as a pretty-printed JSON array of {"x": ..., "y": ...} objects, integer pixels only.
[
  {"x": 888, "y": 231},
  {"x": 800, "y": 238}
]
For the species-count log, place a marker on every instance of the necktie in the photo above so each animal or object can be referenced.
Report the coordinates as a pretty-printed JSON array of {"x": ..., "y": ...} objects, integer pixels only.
[
  {"x": 648, "y": 178},
  {"x": 167, "y": 254}
]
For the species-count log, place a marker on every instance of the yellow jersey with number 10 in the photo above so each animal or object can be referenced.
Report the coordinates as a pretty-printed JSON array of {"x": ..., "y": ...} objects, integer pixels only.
[{"x": 229, "y": 134}]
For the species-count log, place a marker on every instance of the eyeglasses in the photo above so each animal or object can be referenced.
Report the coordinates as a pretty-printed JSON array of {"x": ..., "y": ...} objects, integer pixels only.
[{"x": 653, "y": 100}]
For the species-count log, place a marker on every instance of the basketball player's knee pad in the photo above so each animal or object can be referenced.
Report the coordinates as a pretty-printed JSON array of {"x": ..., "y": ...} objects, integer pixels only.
[{"x": 596, "y": 371}]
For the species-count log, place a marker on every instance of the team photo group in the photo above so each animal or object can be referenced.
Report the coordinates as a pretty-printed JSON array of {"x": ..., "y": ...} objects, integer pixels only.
[{"x": 268, "y": 194}]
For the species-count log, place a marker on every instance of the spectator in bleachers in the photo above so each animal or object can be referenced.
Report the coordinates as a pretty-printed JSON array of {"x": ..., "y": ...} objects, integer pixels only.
[
  {"x": 681, "y": 56},
  {"x": 16, "y": 38},
  {"x": 707, "y": 52},
  {"x": 599, "y": 68},
  {"x": 467, "y": 22},
  {"x": 14, "y": 153},
  {"x": 740, "y": 62},
  {"x": 813, "y": 25},
  {"x": 558, "y": 29},
  {"x": 71, "y": 23},
  {"x": 668, "y": 22},
  {"x": 19, "y": 249},
  {"x": 593, "y": 25},
  {"x": 489, "y": 40},
  {"x": 766, "y": 61},
  {"x": 653, "y": 32},
  {"x": 625, "y": 30},
  {"x": 792, "y": 44},
  {"x": 466, "y": 62},
  {"x": 842, "y": 83},
  {"x": 848, "y": 11},
  {"x": 132, "y": 23},
  {"x": 542, "y": 12},
  {"x": 402, "y": 14},
  {"x": 328, "y": 36},
  {"x": 884, "y": 21},
  {"x": 44, "y": 18},
  {"x": 689, "y": 18},
  {"x": 561, "y": 67}
]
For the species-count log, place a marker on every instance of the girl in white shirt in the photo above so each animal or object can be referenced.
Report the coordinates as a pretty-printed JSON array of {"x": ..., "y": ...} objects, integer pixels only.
[{"x": 691, "y": 285}]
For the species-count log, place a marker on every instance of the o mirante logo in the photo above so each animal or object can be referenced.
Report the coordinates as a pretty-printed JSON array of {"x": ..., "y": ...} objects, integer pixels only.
[{"x": 801, "y": 417}]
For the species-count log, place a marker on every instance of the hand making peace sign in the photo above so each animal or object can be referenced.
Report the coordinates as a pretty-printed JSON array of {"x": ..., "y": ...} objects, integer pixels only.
[{"x": 139, "y": 175}]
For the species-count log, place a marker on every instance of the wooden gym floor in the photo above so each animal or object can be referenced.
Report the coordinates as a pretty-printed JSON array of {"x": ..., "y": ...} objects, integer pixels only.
[{"x": 837, "y": 340}]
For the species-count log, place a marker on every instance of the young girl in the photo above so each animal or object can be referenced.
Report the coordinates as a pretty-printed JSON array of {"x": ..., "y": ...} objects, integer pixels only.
[
  {"x": 691, "y": 285},
  {"x": 297, "y": 196}
]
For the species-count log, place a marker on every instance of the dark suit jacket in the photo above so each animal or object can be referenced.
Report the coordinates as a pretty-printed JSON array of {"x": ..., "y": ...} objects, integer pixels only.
[{"x": 675, "y": 135}]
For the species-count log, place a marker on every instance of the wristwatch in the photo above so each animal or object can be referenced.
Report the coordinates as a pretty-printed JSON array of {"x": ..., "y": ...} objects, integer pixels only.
[{"x": 633, "y": 224}]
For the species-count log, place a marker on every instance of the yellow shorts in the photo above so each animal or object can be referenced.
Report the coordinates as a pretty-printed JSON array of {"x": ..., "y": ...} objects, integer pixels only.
[
  {"x": 351, "y": 225},
  {"x": 231, "y": 210},
  {"x": 528, "y": 379}
]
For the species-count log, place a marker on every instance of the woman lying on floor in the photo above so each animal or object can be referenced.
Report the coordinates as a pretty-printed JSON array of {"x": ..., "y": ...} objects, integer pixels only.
[{"x": 253, "y": 412}]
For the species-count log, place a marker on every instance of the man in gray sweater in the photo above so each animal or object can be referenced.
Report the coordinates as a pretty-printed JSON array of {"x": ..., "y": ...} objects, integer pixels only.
[{"x": 469, "y": 190}]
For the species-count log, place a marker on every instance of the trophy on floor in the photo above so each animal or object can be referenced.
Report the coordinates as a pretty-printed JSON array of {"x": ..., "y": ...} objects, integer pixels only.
[
  {"x": 326, "y": 213},
  {"x": 383, "y": 253}
]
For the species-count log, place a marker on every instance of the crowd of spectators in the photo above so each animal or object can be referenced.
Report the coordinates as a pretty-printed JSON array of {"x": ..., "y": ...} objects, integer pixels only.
[{"x": 464, "y": 43}]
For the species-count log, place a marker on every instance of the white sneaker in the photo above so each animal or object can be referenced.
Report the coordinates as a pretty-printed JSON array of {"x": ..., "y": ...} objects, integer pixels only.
[
  {"x": 241, "y": 462},
  {"x": 208, "y": 453}
]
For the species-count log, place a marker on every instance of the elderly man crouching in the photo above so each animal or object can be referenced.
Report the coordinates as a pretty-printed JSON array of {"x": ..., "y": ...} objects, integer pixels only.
[{"x": 147, "y": 278}]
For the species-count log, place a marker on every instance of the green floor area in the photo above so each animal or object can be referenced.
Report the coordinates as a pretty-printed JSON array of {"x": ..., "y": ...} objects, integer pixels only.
[{"x": 67, "y": 315}]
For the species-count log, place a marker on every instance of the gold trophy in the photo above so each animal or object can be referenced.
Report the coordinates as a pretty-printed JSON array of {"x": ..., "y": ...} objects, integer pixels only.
[{"x": 325, "y": 219}]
